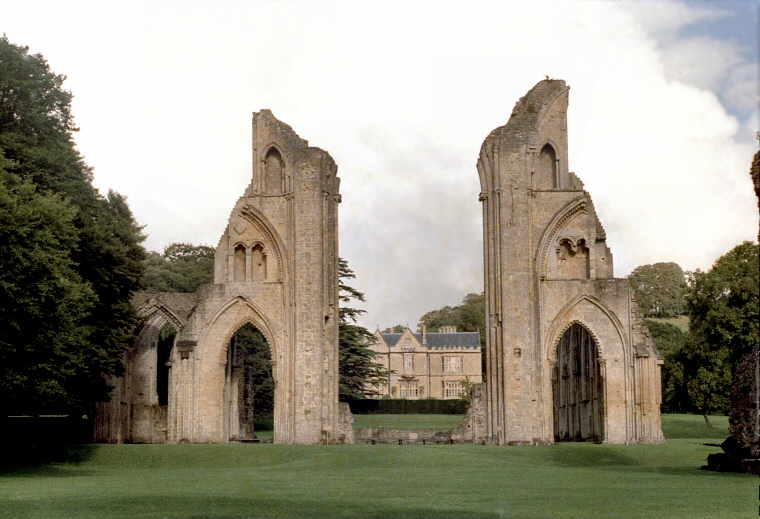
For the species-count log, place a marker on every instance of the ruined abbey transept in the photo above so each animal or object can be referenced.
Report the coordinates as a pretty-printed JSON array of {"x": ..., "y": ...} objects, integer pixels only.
[{"x": 568, "y": 355}]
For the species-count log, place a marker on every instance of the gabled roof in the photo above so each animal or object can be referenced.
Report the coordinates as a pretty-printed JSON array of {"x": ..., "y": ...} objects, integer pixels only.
[{"x": 439, "y": 340}]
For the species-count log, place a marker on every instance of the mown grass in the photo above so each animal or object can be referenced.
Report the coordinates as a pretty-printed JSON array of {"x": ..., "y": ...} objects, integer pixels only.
[
  {"x": 390, "y": 481},
  {"x": 407, "y": 421},
  {"x": 682, "y": 321}
]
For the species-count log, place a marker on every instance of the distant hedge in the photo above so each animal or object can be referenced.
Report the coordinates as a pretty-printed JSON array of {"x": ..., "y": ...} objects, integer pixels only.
[{"x": 402, "y": 406}]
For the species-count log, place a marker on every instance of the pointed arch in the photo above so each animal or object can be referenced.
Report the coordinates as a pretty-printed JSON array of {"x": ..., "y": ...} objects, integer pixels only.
[
  {"x": 561, "y": 218},
  {"x": 254, "y": 315},
  {"x": 573, "y": 312},
  {"x": 276, "y": 245},
  {"x": 154, "y": 306},
  {"x": 273, "y": 171},
  {"x": 548, "y": 168},
  {"x": 578, "y": 387}
]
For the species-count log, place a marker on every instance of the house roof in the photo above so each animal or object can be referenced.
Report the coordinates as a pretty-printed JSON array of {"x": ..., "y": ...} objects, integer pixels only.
[{"x": 440, "y": 340}]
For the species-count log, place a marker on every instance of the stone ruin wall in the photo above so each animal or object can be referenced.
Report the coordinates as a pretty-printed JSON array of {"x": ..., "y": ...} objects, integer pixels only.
[{"x": 276, "y": 268}]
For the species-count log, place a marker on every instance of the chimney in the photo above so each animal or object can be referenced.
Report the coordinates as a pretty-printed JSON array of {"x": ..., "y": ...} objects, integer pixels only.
[{"x": 424, "y": 334}]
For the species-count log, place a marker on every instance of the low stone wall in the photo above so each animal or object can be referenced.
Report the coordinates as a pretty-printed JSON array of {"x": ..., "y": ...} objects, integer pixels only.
[
  {"x": 402, "y": 436},
  {"x": 472, "y": 429}
]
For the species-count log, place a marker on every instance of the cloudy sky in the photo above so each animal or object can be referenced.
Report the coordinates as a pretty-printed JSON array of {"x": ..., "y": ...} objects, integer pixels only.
[{"x": 662, "y": 119}]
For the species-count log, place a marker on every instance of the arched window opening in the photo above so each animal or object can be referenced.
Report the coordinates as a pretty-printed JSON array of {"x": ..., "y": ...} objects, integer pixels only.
[
  {"x": 273, "y": 169},
  {"x": 548, "y": 177},
  {"x": 250, "y": 385},
  {"x": 240, "y": 263},
  {"x": 163, "y": 353},
  {"x": 577, "y": 387},
  {"x": 258, "y": 263}
]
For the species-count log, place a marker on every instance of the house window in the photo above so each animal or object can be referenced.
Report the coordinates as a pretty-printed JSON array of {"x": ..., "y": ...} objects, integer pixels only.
[
  {"x": 409, "y": 388},
  {"x": 452, "y": 389},
  {"x": 408, "y": 362},
  {"x": 452, "y": 363}
]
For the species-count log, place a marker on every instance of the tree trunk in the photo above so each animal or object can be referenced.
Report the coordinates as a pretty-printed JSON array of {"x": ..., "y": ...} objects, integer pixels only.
[{"x": 707, "y": 421}]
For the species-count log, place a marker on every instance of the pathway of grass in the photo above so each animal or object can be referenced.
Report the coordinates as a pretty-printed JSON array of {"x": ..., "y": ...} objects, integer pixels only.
[{"x": 379, "y": 481}]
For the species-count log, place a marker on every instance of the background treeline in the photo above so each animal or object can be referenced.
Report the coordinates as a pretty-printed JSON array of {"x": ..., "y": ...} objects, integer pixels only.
[{"x": 721, "y": 306}]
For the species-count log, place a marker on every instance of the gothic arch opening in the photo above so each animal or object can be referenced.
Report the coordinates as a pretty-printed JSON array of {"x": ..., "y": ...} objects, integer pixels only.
[
  {"x": 163, "y": 365},
  {"x": 548, "y": 174},
  {"x": 258, "y": 263},
  {"x": 273, "y": 169},
  {"x": 249, "y": 385},
  {"x": 240, "y": 262},
  {"x": 146, "y": 397},
  {"x": 577, "y": 387}
]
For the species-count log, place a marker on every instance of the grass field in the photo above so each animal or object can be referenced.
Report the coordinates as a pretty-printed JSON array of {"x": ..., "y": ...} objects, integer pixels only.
[
  {"x": 407, "y": 421},
  {"x": 390, "y": 481},
  {"x": 682, "y": 321}
]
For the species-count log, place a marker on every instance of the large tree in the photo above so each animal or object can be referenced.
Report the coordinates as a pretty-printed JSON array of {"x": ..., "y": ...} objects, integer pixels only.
[
  {"x": 360, "y": 374},
  {"x": 95, "y": 240},
  {"x": 724, "y": 320},
  {"x": 669, "y": 340},
  {"x": 182, "y": 267},
  {"x": 660, "y": 289}
]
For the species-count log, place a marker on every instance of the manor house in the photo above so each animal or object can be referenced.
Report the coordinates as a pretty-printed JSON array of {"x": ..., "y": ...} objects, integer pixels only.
[{"x": 428, "y": 365}]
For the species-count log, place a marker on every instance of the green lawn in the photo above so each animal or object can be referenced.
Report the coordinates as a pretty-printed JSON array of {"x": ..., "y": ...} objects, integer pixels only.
[
  {"x": 390, "y": 481},
  {"x": 407, "y": 421},
  {"x": 682, "y": 321}
]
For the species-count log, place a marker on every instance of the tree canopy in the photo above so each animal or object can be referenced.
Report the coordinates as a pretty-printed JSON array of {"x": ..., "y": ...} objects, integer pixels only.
[
  {"x": 669, "y": 340},
  {"x": 359, "y": 372},
  {"x": 660, "y": 289},
  {"x": 71, "y": 257},
  {"x": 722, "y": 305},
  {"x": 468, "y": 316},
  {"x": 182, "y": 267}
]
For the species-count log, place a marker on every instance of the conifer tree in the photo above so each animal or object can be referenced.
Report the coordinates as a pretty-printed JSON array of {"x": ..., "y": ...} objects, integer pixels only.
[{"x": 360, "y": 374}]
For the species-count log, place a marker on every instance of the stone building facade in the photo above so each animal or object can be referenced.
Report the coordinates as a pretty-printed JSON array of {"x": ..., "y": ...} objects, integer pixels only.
[
  {"x": 568, "y": 355},
  {"x": 428, "y": 365},
  {"x": 276, "y": 268}
]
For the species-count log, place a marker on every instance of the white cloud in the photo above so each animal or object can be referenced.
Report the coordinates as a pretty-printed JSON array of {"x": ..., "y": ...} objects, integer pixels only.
[
  {"x": 664, "y": 18},
  {"x": 701, "y": 61},
  {"x": 402, "y": 96}
]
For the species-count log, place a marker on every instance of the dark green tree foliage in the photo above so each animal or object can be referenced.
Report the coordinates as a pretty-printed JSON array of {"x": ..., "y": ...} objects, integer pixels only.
[
  {"x": 660, "y": 289},
  {"x": 724, "y": 319},
  {"x": 359, "y": 372},
  {"x": 182, "y": 267},
  {"x": 257, "y": 361},
  {"x": 44, "y": 303},
  {"x": 468, "y": 316},
  {"x": 669, "y": 340},
  {"x": 399, "y": 328},
  {"x": 95, "y": 237}
]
